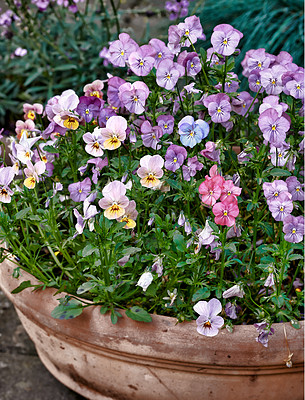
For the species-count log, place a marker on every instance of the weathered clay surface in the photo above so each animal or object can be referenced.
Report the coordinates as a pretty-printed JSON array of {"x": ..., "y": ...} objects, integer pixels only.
[{"x": 156, "y": 361}]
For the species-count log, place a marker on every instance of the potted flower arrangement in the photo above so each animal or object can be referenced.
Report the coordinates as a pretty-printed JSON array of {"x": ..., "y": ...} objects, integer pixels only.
[{"x": 169, "y": 196}]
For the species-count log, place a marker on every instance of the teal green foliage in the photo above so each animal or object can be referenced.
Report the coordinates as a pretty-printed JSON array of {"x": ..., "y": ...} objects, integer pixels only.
[{"x": 275, "y": 25}]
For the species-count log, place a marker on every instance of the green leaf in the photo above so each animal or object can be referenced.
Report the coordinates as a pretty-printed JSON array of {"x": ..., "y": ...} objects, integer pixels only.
[
  {"x": 138, "y": 314},
  {"x": 22, "y": 213},
  {"x": 295, "y": 324},
  {"x": 115, "y": 315},
  {"x": 103, "y": 310},
  {"x": 88, "y": 250},
  {"x": 67, "y": 309},
  {"x": 179, "y": 242},
  {"x": 295, "y": 257},
  {"x": 202, "y": 293},
  {"x": 50, "y": 149},
  {"x": 278, "y": 301},
  {"x": 130, "y": 251},
  {"x": 23, "y": 285},
  {"x": 279, "y": 172},
  {"x": 214, "y": 226},
  {"x": 85, "y": 287}
]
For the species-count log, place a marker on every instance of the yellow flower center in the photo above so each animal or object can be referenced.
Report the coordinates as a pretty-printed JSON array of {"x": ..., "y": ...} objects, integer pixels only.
[
  {"x": 141, "y": 63},
  {"x": 207, "y": 324},
  {"x": 168, "y": 76},
  {"x": 225, "y": 213},
  {"x": 225, "y": 41},
  {"x": 258, "y": 82},
  {"x": 297, "y": 189},
  {"x": 135, "y": 99},
  {"x": 160, "y": 55},
  {"x": 71, "y": 123},
  {"x": 229, "y": 193},
  {"x": 187, "y": 32},
  {"x": 273, "y": 82},
  {"x": 259, "y": 65},
  {"x": 165, "y": 126},
  {"x": 79, "y": 190},
  {"x": 3, "y": 192},
  {"x": 273, "y": 127},
  {"x": 87, "y": 111},
  {"x": 192, "y": 133},
  {"x": 44, "y": 159},
  {"x": 27, "y": 154},
  {"x": 298, "y": 87},
  {"x": 96, "y": 145},
  {"x": 281, "y": 208},
  {"x": 24, "y": 131},
  {"x": 294, "y": 230},
  {"x": 175, "y": 160},
  {"x": 276, "y": 194},
  {"x": 95, "y": 93},
  {"x": 280, "y": 155},
  {"x": 30, "y": 115},
  {"x": 218, "y": 110},
  {"x": 122, "y": 52}
]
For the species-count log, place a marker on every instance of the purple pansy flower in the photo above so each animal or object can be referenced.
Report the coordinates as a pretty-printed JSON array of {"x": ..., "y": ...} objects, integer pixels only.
[
  {"x": 272, "y": 101},
  {"x": 162, "y": 51},
  {"x": 295, "y": 87},
  {"x": 133, "y": 96},
  {"x": 279, "y": 156},
  {"x": 274, "y": 128},
  {"x": 225, "y": 39},
  {"x": 210, "y": 152},
  {"x": 99, "y": 164},
  {"x": 258, "y": 60},
  {"x": 255, "y": 80},
  {"x": 89, "y": 107},
  {"x": 168, "y": 73},
  {"x": 120, "y": 50},
  {"x": 90, "y": 212},
  {"x": 177, "y": 8},
  {"x": 218, "y": 106},
  {"x": 174, "y": 38},
  {"x": 166, "y": 123},
  {"x": 151, "y": 135},
  {"x": 142, "y": 60},
  {"x": 208, "y": 322},
  {"x": 273, "y": 189},
  {"x": 104, "y": 115},
  {"x": 189, "y": 170},
  {"x": 114, "y": 84},
  {"x": 295, "y": 188},
  {"x": 264, "y": 330},
  {"x": 191, "y": 30},
  {"x": 271, "y": 79},
  {"x": 230, "y": 310},
  {"x": 281, "y": 207},
  {"x": 174, "y": 157},
  {"x": 241, "y": 104},
  {"x": 294, "y": 229},
  {"x": 192, "y": 132},
  {"x": 80, "y": 190}
]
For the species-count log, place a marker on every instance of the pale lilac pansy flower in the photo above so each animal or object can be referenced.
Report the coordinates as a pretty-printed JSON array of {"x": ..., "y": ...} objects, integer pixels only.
[
  {"x": 181, "y": 219},
  {"x": 211, "y": 152},
  {"x": 174, "y": 39},
  {"x": 218, "y": 106},
  {"x": 168, "y": 73},
  {"x": 271, "y": 79},
  {"x": 208, "y": 322},
  {"x": 174, "y": 157},
  {"x": 6, "y": 176},
  {"x": 94, "y": 142},
  {"x": 269, "y": 282},
  {"x": 230, "y": 310},
  {"x": 191, "y": 30},
  {"x": 89, "y": 211},
  {"x": 225, "y": 39},
  {"x": 295, "y": 188},
  {"x": 294, "y": 229},
  {"x": 255, "y": 81},
  {"x": 99, "y": 164},
  {"x": 114, "y": 84},
  {"x": 133, "y": 96},
  {"x": 233, "y": 291},
  {"x": 295, "y": 87},
  {"x": 273, "y": 127},
  {"x": 157, "y": 266},
  {"x": 241, "y": 104},
  {"x": 264, "y": 330},
  {"x": 114, "y": 133},
  {"x": 80, "y": 190},
  {"x": 145, "y": 280},
  {"x": 114, "y": 201},
  {"x": 63, "y": 110},
  {"x": 281, "y": 207},
  {"x": 23, "y": 148},
  {"x": 120, "y": 50},
  {"x": 273, "y": 189},
  {"x": 151, "y": 135},
  {"x": 162, "y": 51},
  {"x": 142, "y": 60},
  {"x": 272, "y": 101},
  {"x": 150, "y": 170},
  {"x": 166, "y": 123},
  {"x": 206, "y": 236},
  {"x": 190, "y": 170},
  {"x": 258, "y": 60},
  {"x": 32, "y": 173}
]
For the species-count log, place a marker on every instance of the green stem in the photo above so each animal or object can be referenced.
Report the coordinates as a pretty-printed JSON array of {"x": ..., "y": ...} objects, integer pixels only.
[{"x": 224, "y": 75}]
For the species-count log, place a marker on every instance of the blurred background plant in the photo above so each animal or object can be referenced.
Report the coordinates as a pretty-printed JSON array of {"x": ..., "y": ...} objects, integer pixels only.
[
  {"x": 47, "y": 46},
  {"x": 275, "y": 25}
]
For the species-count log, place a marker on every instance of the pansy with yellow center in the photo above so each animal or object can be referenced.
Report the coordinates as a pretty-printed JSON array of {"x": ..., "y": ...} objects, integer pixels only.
[
  {"x": 130, "y": 215},
  {"x": 114, "y": 133},
  {"x": 150, "y": 170},
  {"x": 32, "y": 173},
  {"x": 114, "y": 201}
]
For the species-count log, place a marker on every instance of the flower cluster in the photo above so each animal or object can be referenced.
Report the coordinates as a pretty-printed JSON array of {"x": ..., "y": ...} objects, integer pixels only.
[{"x": 168, "y": 189}]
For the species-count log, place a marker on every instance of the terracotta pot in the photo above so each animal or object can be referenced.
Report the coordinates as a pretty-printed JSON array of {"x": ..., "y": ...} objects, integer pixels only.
[{"x": 159, "y": 360}]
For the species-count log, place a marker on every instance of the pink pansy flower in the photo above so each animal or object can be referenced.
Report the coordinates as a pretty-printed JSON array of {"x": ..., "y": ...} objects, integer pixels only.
[
  {"x": 211, "y": 190},
  {"x": 32, "y": 173},
  {"x": 130, "y": 215},
  {"x": 114, "y": 201},
  {"x": 6, "y": 176},
  {"x": 226, "y": 211},
  {"x": 150, "y": 170},
  {"x": 208, "y": 322},
  {"x": 94, "y": 89},
  {"x": 24, "y": 127},
  {"x": 114, "y": 133},
  {"x": 228, "y": 189},
  {"x": 30, "y": 110},
  {"x": 94, "y": 142}
]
